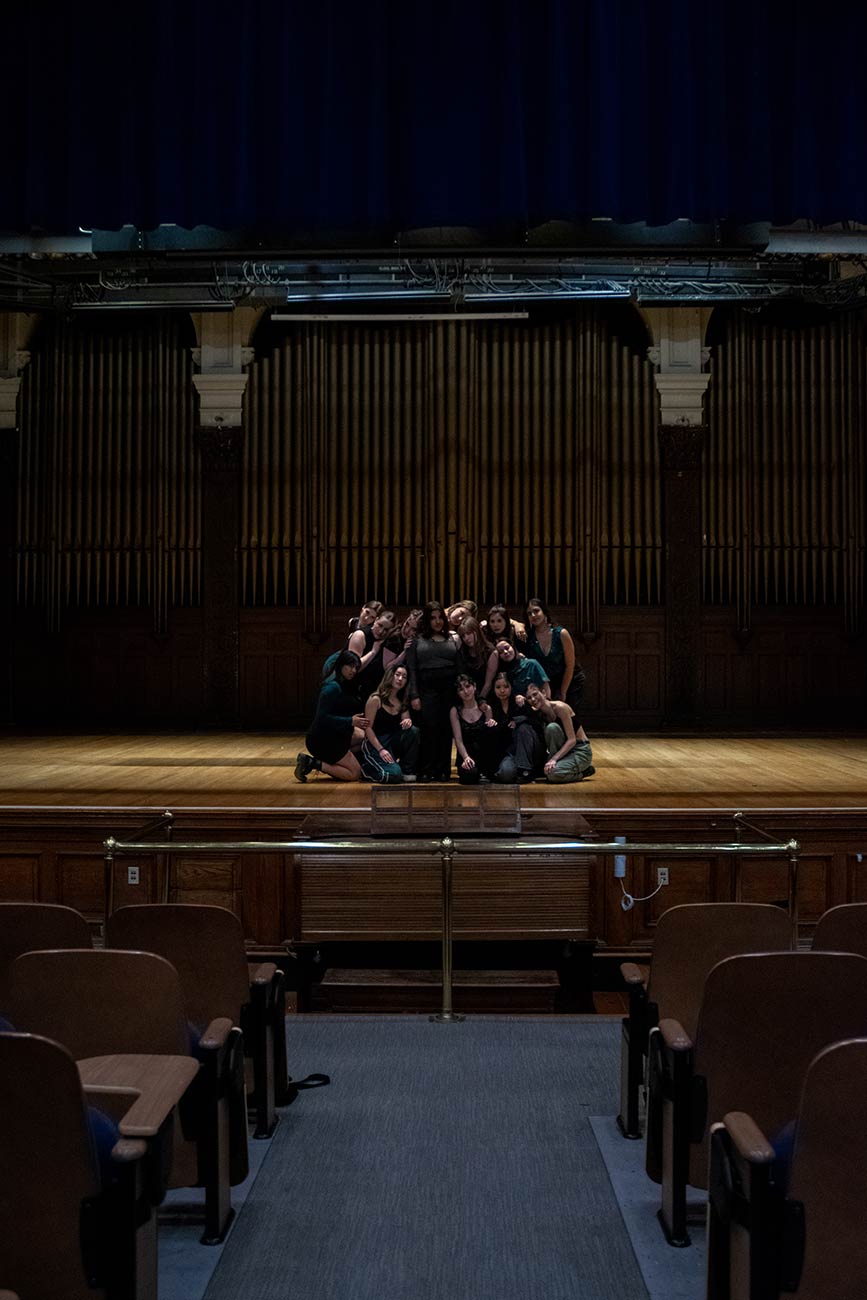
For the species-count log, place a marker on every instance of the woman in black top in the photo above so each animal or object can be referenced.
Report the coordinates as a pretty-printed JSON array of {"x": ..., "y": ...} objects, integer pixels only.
[
  {"x": 389, "y": 753},
  {"x": 474, "y": 651},
  {"x": 338, "y": 727},
  {"x": 472, "y": 728},
  {"x": 432, "y": 661}
]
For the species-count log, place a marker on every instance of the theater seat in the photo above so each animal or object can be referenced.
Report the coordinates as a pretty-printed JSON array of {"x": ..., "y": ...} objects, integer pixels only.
[
  {"x": 25, "y": 927},
  {"x": 798, "y": 1230},
  {"x": 689, "y": 941},
  {"x": 115, "y": 1012},
  {"x": 65, "y": 1232},
  {"x": 763, "y": 1018},
  {"x": 206, "y": 947},
  {"x": 842, "y": 929}
]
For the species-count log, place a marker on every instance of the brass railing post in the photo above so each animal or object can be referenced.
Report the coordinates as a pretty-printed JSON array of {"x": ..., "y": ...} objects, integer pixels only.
[{"x": 447, "y": 852}]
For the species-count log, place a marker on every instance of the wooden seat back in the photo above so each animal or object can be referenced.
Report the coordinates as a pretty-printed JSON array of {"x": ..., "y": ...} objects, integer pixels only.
[
  {"x": 842, "y": 929},
  {"x": 204, "y": 944},
  {"x": 692, "y": 938},
  {"x": 25, "y": 927},
  {"x": 100, "y": 1003},
  {"x": 829, "y": 1173},
  {"x": 763, "y": 1018},
  {"x": 48, "y": 1169}
]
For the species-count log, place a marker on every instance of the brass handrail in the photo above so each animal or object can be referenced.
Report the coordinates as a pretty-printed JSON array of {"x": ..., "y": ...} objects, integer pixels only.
[{"x": 447, "y": 847}]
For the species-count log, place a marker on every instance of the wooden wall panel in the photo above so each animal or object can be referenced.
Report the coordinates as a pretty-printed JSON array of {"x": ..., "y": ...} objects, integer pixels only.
[
  {"x": 81, "y": 883},
  {"x": 283, "y": 898},
  {"x": 19, "y": 877},
  {"x": 210, "y": 881},
  {"x": 797, "y": 668}
]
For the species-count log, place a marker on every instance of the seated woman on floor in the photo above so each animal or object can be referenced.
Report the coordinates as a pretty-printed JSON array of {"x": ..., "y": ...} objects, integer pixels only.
[
  {"x": 472, "y": 728},
  {"x": 389, "y": 751},
  {"x": 569, "y": 757},
  {"x": 517, "y": 741},
  {"x": 338, "y": 728}
]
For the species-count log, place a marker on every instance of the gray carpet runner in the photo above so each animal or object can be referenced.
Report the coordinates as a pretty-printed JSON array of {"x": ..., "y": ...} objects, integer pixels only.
[{"x": 444, "y": 1162}]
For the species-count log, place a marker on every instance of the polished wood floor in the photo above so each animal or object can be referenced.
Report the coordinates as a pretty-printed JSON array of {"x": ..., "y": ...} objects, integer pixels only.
[{"x": 256, "y": 771}]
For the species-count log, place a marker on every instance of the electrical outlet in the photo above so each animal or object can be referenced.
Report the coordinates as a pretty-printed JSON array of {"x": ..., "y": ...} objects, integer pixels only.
[
  {"x": 662, "y": 875},
  {"x": 132, "y": 875}
]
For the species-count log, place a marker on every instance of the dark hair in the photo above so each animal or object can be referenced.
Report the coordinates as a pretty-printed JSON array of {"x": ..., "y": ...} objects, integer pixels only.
[
  {"x": 416, "y": 615},
  {"x": 508, "y": 631},
  {"x": 432, "y": 607},
  {"x": 383, "y": 690},
  {"x": 389, "y": 614},
  {"x": 534, "y": 600},
  {"x": 482, "y": 650},
  {"x": 344, "y": 660},
  {"x": 375, "y": 605},
  {"x": 464, "y": 679},
  {"x": 498, "y": 706}
]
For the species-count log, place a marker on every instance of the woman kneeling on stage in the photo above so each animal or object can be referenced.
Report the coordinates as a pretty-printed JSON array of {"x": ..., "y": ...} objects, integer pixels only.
[
  {"x": 473, "y": 729},
  {"x": 569, "y": 756},
  {"x": 389, "y": 751},
  {"x": 338, "y": 727}
]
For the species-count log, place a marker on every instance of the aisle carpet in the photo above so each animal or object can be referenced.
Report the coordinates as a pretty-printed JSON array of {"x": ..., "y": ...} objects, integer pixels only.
[{"x": 444, "y": 1162}]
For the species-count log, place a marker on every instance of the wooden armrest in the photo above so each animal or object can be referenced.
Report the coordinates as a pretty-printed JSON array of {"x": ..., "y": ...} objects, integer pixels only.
[
  {"x": 114, "y": 1101},
  {"x": 128, "y": 1150},
  {"x": 674, "y": 1036},
  {"x": 159, "y": 1081},
  {"x": 633, "y": 974},
  {"x": 263, "y": 973},
  {"x": 216, "y": 1034},
  {"x": 749, "y": 1140}
]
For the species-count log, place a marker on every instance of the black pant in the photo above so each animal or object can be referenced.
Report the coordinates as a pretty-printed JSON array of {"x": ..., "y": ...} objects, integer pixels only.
[{"x": 437, "y": 699}]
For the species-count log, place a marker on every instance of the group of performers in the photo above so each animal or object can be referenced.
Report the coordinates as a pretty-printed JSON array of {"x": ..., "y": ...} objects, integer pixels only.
[{"x": 397, "y": 696}]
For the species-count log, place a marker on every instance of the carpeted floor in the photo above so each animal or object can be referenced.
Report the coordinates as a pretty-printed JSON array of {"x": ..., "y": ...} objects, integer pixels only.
[{"x": 443, "y": 1163}]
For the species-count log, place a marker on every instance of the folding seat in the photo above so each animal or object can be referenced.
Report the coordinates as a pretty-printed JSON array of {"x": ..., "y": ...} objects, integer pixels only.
[
  {"x": 796, "y": 1227},
  {"x": 763, "y": 1017},
  {"x": 689, "y": 941},
  {"x": 74, "y": 1227},
  {"x": 24, "y": 927},
  {"x": 206, "y": 947},
  {"x": 118, "y": 1014},
  {"x": 842, "y": 929}
]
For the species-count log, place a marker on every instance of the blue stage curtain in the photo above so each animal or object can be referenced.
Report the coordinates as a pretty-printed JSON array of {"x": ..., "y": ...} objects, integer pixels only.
[{"x": 338, "y": 116}]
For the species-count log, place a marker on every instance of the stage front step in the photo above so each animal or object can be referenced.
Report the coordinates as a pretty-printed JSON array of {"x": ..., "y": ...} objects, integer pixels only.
[{"x": 346, "y": 990}]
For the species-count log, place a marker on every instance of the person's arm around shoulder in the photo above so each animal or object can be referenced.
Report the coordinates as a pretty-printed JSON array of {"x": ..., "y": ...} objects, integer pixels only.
[
  {"x": 487, "y": 714},
  {"x": 412, "y": 673},
  {"x": 493, "y": 665},
  {"x": 568, "y": 658}
]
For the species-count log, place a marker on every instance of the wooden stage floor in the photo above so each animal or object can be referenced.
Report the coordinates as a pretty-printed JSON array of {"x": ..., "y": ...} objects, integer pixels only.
[{"x": 255, "y": 770}]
